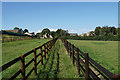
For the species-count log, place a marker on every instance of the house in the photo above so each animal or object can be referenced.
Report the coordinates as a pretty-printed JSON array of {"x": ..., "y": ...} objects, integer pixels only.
[
  {"x": 45, "y": 36},
  {"x": 73, "y": 34},
  {"x": 91, "y": 33},
  {"x": 30, "y": 34},
  {"x": 20, "y": 31},
  {"x": 85, "y": 34},
  {"x": 50, "y": 36}
]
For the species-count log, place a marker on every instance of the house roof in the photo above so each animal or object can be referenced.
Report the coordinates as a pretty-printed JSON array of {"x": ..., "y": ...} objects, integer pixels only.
[{"x": 15, "y": 30}]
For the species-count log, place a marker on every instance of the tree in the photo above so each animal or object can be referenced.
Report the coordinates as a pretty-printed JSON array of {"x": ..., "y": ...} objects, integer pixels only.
[
  {"x": 60, "y": 33},
  {"x": 26, "y": 30},
  {"x": 52, "y": 33},
  {"x": 20, "y": 31},
  {"x": 16, "y": 28},
  {"x": 97, "y": 30},
  {"x": 92, "y": 33},
  {"x": 113, "y": 30},
  {"x": 45, "y": 31}
]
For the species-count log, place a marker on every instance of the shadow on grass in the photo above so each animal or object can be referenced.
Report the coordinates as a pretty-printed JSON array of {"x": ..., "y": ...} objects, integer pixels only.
[{"x": 52, "y": 67}]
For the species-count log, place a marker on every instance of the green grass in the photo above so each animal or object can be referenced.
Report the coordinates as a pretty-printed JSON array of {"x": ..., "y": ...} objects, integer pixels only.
[
  {"x": 5, "y": 35},
  {"x": 103, "y": 52},
  {"x": 11, "y": 50},
  {"x": 57, "y": 64}
]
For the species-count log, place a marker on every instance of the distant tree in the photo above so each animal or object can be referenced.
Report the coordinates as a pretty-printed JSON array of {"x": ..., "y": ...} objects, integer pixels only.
[
  {"x": 60, "y": 33},
  {"x": 32, "y": 33},
  {"x": 52, "y": 33},
  {"x": 113, "y": 30},
  {"x": 105, "y": 30},
  {"x": 92, "y": 33},
  {"x": 45, "y": 31},
  {"x": 26, "y": 30},
  {"x": 16, "y": 28},
  {"x": 20, "y": 31},
  {"x": 38, "y": 34},
  {"x": 97, "y": 30}
]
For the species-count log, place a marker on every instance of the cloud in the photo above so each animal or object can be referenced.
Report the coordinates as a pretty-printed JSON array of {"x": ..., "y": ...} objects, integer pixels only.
[
  {"x": 53, "y": 29},
  {"x": 39, "y": 31},
  {"x": 80, "y": 31}
]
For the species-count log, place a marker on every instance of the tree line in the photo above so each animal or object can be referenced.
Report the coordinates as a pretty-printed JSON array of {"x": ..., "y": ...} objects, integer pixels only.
[
  {"x": 54, "y": 34},
  {"x": 100, "y": 33}
]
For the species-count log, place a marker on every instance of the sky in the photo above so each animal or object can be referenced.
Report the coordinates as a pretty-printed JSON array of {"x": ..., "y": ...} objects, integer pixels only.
[
  {"x": 76, "y": 17},
  {"x": 60, "y": 0}
]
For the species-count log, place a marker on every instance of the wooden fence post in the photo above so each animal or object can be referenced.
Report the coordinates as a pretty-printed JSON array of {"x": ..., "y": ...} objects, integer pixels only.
[
  {"x": 73, "y": 54},
  {"x": 47, "y": 48},
  {"x": 86, "y": 66},
  {"x": 3, "y": 39},
  {"x": 35, "y": 62},
  {"x": 50, "y": 44},
  {"x": 78, "y": 61},
  {"x": 70, "y": 49},
  {"x": 67, "y": 46},
  {"x": 22, "y": 67},
  {"x": 41, "y": 57},
  {"x": 44, "y": 52}
]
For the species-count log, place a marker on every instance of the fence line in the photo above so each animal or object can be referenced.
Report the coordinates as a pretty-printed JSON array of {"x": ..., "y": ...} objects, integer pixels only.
[
  {"x": 11, "y": 39},
  {"x": 22, "y": 59},
  {"x": 85, "y": 64}
]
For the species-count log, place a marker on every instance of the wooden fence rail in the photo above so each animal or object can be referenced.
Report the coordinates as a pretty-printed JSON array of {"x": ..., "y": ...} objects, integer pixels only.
[
  {"x": 47, "y": 46},
  {"x": 11, "y": 39},
  {"x": 89, "y": 68}
]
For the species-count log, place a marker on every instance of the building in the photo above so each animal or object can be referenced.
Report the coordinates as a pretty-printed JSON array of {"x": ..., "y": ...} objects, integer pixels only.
[
  {"x": 20, "y": 31},
  {"x": 30, "y": 34},
  {"x": 85, "y": 34},
  {"x": 45, "y": 36},
  {"x": 91, "y": 33}
]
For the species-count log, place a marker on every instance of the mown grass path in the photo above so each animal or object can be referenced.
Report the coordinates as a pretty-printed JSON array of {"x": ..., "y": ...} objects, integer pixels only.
[{"x": 58, "y": 64}]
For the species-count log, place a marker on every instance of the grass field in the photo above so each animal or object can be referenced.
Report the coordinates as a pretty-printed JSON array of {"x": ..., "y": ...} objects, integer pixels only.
[
  {"x": 57, "y": 64},
  {"x": 11, "y": 50},
  {"x": 104, "y": 52}
]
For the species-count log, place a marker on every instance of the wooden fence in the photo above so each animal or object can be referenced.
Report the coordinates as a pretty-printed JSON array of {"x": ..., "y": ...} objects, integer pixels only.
[
  {"x": 43, "y": 51},
  {"x": 90, "y": 69}
]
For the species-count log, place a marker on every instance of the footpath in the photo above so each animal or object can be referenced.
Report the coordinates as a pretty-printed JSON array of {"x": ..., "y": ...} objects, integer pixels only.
[{"x": 58, "y": 64}]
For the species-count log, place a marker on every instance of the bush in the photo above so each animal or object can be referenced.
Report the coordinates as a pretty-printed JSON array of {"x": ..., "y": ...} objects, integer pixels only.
[{"x": 104, "y": 38}]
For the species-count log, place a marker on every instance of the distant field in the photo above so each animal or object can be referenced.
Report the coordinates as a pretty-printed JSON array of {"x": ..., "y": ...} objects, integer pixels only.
[{"x": 104, "y": 52}]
